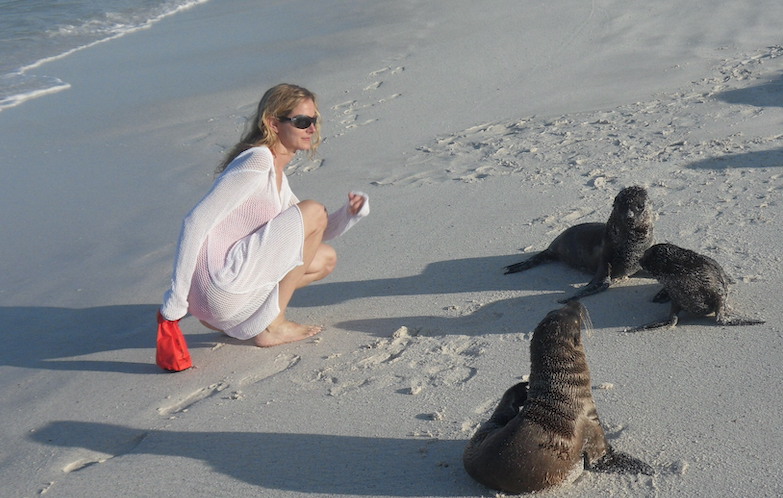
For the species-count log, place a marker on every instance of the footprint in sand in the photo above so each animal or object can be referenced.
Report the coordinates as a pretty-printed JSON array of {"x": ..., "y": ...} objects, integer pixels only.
[
  {"x": 191, "y": 399},
  {"x": 118, "y": 448},
  {"x": 408, "y": 363},
  {"x": 606, "y": 148},
  {"x": 281, "y": 363},
  {"x": 302, "y": 164},
  {"x": 356, "y": 113}
]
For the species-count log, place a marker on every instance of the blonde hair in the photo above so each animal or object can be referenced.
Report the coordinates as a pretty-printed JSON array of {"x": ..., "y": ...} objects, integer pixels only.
[{"x": 280, "y": 100}]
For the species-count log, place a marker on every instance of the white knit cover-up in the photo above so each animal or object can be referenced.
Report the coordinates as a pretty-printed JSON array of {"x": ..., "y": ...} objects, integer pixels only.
[{"x": 236, "y": 245}]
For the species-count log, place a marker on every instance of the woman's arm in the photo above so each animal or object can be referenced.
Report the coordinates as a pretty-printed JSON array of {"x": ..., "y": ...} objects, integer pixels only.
[
  {"x": 340, "y": 221},
  {"x": 229, "y": 191}
]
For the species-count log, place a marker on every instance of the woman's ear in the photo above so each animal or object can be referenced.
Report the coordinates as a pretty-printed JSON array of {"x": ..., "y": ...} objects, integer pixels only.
[{"x": 272, "y": 124}]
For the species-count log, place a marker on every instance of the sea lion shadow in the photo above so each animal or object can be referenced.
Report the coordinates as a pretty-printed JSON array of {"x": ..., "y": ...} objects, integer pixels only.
[
  {"x": 302, "y": 463},
  {"x": 630, "y": 304},
  {"x": 48, "y": 337},
  {"x": 512, "y": 315},
  {"x": 626, "y": 304},
  {"x": 441, "y": 277}
]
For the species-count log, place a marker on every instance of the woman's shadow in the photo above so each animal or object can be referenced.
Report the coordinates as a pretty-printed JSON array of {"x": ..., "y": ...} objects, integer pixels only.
[
  {"x": 303, "y": 463},
  {"x": 546, "y": 283},
  {"x": 51, "y": 338},
  {"x": 440, "y": 277}
]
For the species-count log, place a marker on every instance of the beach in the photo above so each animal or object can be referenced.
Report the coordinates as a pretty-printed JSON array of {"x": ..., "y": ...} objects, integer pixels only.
[{"x": 479, "y": 131}]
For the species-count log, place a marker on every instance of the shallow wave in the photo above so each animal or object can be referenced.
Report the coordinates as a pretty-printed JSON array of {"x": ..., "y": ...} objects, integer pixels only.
[{"x": 20, "y": 85}]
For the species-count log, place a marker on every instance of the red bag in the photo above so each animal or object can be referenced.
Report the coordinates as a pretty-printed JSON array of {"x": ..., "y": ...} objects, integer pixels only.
[{"x": 172, "y": 351}]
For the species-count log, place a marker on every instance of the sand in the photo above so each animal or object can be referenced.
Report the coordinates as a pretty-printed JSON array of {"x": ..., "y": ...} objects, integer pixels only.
[{"x": 480, "y": 131}]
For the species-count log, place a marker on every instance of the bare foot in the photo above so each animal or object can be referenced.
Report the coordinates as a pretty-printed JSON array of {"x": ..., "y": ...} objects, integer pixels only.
[{"x": 284, "y": 333}]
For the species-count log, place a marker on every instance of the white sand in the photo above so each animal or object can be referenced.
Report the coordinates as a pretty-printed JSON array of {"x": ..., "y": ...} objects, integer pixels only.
[{"x": 479, "y": 129}]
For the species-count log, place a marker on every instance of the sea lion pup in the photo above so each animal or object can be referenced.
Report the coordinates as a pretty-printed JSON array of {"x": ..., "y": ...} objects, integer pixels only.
[
  {"x": 546, "y": 431},
  {"x": 692, "y": 282},
  {"x": 610, "y": 251}
]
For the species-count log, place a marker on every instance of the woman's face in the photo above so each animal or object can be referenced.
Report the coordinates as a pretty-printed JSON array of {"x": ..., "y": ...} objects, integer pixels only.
[{"x": 292, "y": 138}]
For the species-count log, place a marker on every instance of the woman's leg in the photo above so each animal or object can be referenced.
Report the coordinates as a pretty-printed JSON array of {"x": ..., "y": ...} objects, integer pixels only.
[
  {"x": 321, "y": 266},
  {"x": 316, "y": 264}
]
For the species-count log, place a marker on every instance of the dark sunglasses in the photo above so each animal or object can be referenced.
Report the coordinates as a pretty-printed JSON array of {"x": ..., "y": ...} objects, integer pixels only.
[{"x": 301, "y": 121}]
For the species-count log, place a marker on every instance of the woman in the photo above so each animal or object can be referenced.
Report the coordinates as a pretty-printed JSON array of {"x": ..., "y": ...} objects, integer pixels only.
[{"x": 250, "y": 243}]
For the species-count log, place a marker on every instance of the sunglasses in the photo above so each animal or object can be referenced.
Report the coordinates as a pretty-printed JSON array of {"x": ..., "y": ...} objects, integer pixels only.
[{"x": 301, "y": 121}]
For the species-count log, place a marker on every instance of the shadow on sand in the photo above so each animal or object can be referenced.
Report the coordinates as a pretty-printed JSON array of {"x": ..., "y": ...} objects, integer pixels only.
[
  {"x": 59, "y": 338},
  {"x": 444, "y": 277},
  {"x": 769, "y": 94},
  {"x": 54, "y": 338},
  {"x": 759, "y": 159},
  {"x": 303, "y": 463}
]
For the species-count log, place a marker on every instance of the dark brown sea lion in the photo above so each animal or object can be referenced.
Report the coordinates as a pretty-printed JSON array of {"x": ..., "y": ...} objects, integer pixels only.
[
  {"x": 692, "y": 282},
  {"x": 546, "y": 431},
  {"x": 610, "y": 251}
]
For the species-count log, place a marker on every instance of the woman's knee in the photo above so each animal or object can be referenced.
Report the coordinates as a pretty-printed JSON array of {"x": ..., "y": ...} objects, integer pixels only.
[{"x": 314, "y": 215}]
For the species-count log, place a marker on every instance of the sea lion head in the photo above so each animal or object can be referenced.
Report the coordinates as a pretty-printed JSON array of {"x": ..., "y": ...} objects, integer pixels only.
[
  {"x": 633, "y": 204},
  {"x": 562, "y": 325},
  {"x": 667, "y": 259}
]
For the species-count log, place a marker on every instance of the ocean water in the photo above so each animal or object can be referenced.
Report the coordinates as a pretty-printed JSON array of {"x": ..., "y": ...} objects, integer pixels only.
[{"x": 33, "y": 32}]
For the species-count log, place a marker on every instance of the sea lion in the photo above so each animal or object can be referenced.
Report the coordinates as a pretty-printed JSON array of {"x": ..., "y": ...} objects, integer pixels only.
[
  {"x": 610, "y": 251},
  {"x": 692, "y": 282},
  {"x": 544, "y": 432}
]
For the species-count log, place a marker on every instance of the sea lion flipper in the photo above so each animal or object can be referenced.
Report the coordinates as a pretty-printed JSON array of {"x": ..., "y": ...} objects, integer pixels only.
[
  {"x": 738, "y": 320},
  {"x": 596, "y": 285},
  {"x": 587, "y": 290},
  {"x": 671, "y": 322},
  {"x": 621, "y": 463},
  {"x": 543, "y": 257},
  {"x": 662, "y": 296},
  {"x": 508, "y": 408},
  {"x": 509, "y": 404}
]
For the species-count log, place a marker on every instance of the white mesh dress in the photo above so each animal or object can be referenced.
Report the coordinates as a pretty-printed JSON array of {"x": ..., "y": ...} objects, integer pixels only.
[{"x": 236, "y": 245}]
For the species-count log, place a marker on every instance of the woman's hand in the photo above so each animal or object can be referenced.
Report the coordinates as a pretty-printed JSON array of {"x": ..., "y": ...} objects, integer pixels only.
[{"x": 355, "y": 203}]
